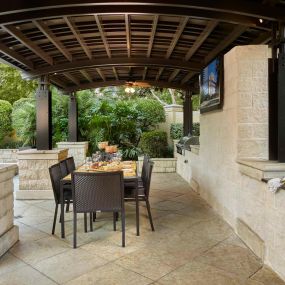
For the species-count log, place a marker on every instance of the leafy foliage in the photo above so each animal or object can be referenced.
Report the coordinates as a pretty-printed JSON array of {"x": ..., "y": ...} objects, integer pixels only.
[
  {"x": 196, "y": 129},
  {"x": 176, "y": 131},
  {"x": 13, "y": 87},
  {"x": 5, "y": 118},
  {"x": 24, "y": 120},
  {"x": 154, "y": 143}
]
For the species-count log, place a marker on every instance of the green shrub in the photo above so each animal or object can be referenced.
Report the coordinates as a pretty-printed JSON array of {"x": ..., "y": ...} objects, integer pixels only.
[
  {"x": 176, "y": 131},
  {"x": 196, "y": 129},
  {"x": 154, "y": 143},
  {"x": 24, "y": 120},
  {"x": 5, "y": 118}
]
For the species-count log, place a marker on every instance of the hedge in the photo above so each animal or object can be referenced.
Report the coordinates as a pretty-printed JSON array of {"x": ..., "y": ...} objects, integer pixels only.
[{"x": 5, "y": 119}]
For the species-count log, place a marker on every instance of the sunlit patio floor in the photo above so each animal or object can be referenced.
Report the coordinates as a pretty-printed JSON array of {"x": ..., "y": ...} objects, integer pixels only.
[{"x": 191, "y": 245}]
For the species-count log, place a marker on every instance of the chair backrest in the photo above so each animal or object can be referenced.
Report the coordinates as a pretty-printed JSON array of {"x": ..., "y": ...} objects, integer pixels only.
[
  {"x": 144, "y": 166},
  {"x": 97, "y": 191},
  {"x": 63, "y": 168},
  {"x": 70, "y": 164},
  {"x": 55, "y": 177},
  {"x": 147, "y": 180}
]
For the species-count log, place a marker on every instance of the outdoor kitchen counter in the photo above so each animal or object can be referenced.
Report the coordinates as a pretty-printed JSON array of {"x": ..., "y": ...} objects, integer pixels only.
[{"x": 9, "y": 233}]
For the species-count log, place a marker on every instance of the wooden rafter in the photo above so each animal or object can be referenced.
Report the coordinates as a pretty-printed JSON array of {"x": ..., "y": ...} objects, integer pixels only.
[
  {"x": 115, "y": 73},
  {"x": 144, "y": 73},
  {"x": 28, "y": 43},
  {"x": 103, "y": 37},
  {"x": 202, "y": 37},
  {"x": 153, "y": 31},
  {"x": 262, "y": 39},
  {"x": 173, "y": 75},
  {"x": 99, "y": 71},
  {"x": 51, "y": 37},
  {"x": 86, "y": 75},
  {"x": 57, "y": 82},
  {"x": 110, "y": 62},
  {"x": 177, "y": 36},
  {"x": 128, "y": 34},
  {"x": 77, "y": 35},
  {"x": 159, "y": 73},
  {"x": 14, "y": 55},
  {"x": 187, "y": 77},
  {"x": 72, "y": 78},
  {"x": 236, "y": 32}
]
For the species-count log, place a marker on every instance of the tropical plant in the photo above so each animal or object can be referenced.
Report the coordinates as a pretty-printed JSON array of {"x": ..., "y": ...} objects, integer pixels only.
[
  {"x": 24, "y": 120},
  {"x": 5, "y": 119},
  {"x": 154, "y": 143},
  {"x": 196, "y": 129},
  {"x": 176, "y": 131},
  {"x": 13, "y": 87}
]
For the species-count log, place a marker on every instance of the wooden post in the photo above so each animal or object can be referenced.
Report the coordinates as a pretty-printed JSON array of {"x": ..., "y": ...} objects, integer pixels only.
[
  {"x": 72, "y": 119},
  {"x": 44, "y": 115},
  {"x": 187, "y": 113}
]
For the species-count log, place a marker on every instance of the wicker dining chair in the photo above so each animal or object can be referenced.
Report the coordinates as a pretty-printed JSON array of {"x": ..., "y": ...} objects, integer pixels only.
[
  {"x": 93, "y": 192},
  {"x": 70, "y": 164},
  {"x": 143, "y": 190},
  {"x": 56, "y": 176}
]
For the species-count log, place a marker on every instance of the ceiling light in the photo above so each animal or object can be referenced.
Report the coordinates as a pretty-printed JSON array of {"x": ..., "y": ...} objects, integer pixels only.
[{"x": 260, "y": 21}]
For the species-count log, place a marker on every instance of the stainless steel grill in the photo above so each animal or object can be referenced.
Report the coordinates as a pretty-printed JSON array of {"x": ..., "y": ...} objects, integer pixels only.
[{"x": 185, "y": 144}]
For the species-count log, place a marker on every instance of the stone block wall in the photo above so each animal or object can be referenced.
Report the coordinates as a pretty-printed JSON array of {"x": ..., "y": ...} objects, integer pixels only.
[
  {"x": 9, "y": 234},
  {"x": 76, "y": 149},
  {"x": 161, "y": 165},
  {"x": 34, "y": 178},
  {"x": 8, "y": 155},
  {"x": 233, "y": 155}
]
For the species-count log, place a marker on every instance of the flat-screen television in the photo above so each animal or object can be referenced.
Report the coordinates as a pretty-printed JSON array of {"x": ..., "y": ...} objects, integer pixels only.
[{"x": 211, "y": 86}]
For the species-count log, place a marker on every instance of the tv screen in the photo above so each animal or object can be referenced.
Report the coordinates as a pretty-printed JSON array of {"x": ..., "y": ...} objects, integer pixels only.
[{"x": 211, "y": 81}]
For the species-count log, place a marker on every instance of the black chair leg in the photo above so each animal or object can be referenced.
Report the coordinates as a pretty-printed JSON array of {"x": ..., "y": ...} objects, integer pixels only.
[
  {"x": 85, "y": 222},
  {"x": 117, "y": 216},
  {"x": 91, "y": 221},
  {"x": 74, "y": 229},
  {"x": 114, "y": 220},
  {"x": 149, "y": 214},
  {"x": 54, "y": 219},
  {"x": 67, "y": 206},
  {"x": 94, "y": 216},
  {"x": 123, "y": 229}
]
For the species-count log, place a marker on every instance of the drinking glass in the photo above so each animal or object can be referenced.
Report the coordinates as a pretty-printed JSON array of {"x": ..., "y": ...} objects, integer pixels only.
[{"x": 89, "y": 162}]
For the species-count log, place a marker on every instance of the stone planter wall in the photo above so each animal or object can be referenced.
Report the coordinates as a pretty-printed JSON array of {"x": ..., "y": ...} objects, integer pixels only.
[
  {"x": 161, "y": 165},
  {"x": 76, "y": 149},
  {"x": 9, "y": 234},
  {"x": 34, "y": 178},
  {"x": 8, "y": 155}
]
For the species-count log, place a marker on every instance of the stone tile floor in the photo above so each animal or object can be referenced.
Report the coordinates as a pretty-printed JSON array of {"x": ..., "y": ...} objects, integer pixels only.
[{"x": 191, "y": 245}]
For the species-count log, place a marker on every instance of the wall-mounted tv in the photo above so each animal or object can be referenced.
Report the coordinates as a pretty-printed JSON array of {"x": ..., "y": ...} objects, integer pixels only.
[{"x": 211, "y": 86}]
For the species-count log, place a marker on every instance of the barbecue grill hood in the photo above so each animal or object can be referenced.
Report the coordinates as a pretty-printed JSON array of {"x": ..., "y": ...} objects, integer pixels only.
[{"x": 185, "y": 143}]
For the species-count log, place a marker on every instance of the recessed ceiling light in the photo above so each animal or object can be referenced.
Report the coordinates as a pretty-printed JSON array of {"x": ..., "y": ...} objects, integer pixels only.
[{"x": 260, "y": 21}]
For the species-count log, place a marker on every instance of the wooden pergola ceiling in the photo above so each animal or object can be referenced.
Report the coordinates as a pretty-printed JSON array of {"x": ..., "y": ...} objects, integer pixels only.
[{"x": 86, "y": 44}]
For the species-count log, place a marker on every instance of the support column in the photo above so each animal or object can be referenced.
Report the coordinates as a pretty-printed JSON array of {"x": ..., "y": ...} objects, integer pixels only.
[
  {"x": 44, "y": 116},
  {"x": 72, "y": 119},
  {"x": 187, "y": 113},
  {"x": 281, "y": 96}
]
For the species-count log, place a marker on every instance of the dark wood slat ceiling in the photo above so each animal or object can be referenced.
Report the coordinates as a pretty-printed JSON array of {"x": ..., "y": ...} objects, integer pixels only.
[{"x": 161, "y": 43}]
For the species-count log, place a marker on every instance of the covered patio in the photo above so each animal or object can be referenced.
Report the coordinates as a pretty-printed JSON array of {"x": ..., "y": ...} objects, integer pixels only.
[{"x": 214, "y": 218}]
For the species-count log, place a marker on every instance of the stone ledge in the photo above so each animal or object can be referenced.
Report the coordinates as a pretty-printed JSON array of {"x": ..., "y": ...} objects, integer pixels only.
[
  {"x": 260, "y": 170},
  {"x": 34, "y": 195},
  {"x": 41, "y": 154},
  {"x": 8, "y": 239}
]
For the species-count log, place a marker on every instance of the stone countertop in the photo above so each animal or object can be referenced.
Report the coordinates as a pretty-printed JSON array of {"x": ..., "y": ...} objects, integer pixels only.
[{"x": 7, "y": 166}]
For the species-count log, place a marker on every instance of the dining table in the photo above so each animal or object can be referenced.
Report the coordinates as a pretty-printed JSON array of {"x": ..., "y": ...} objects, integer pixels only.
[{"x": 129, "y": 169}]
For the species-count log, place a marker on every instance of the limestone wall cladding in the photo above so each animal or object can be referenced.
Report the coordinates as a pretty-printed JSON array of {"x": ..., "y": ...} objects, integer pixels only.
[
  {"x": 34, "y": 178},
  {"x": 161, "y": 165},
  {"x": 8, "y": 155},
  {"x": 234, "y": 190},
  {"x": 9, "y": 233},
  {"x": 76, "y": 149}
]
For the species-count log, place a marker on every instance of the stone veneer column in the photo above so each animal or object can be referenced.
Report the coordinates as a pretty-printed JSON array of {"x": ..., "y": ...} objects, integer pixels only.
[
  {"x": 9, "y": 234},
  {"x": 76, "y": 149},
  {"x": 34, "y": 179}
]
